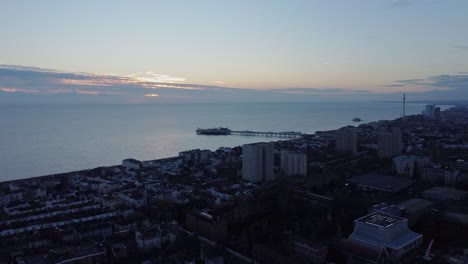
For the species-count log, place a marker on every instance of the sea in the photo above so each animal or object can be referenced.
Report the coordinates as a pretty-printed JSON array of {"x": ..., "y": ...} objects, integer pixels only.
[{"x": 38, "y": 140}]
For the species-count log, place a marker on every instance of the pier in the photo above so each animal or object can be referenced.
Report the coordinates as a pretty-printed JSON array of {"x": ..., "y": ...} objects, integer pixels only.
[
  {"x": 227, "y": 131},
  {"x": 290, "y": 134}
]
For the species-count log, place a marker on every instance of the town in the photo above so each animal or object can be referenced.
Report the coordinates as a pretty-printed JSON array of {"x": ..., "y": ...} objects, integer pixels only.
[{"x": 382, "y": 192}]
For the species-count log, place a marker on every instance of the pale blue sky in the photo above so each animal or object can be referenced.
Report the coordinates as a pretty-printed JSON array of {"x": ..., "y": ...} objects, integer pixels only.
[{"x": 361, "y": 45}]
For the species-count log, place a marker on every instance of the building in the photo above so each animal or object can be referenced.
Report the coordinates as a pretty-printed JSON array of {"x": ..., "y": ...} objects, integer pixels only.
[
  {"x": 437, "y": 113},
  {"x": 346, "y": 140},
  {"x": 431, "y": 112},
  {"x": 387, "y": 231},
  {"x": 80, "y": 253},
  {"x": 10, "y": 196},
  {"x": 389, "y": 144},
  {"x": 132, "y": 198},
  {"x": 449, "y": 228},
  {"x": 257, "y": 162},
  {"x": 207, "y": 225},
  {"x": 438, "y": 175},
  {"x": 386, "y": 208},
  {"x": 414, "y": 209},
  {"x": 151, "y": 239},
  {"x": 131, "y": 164},
  {"x": 409, "y": 166},
  {"x": 378, "y": 182},
  {"x": 196, "y": 155},
  {"x": 362, "y": 253},
  {"x": 445, "y": 194},
  {"x": 315, "y": 253},
  {"x": 293, "y": 163}
]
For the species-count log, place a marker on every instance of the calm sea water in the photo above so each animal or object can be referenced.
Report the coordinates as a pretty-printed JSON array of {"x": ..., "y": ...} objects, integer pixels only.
[{"x": 40, "y": 140}]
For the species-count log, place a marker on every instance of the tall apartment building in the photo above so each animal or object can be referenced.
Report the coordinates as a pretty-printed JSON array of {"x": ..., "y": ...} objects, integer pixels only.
[
  {"x": 389, "y": 144},
  {"x": 293, "y": 163},
  {"x": 431, "y": 111},
  {"x": 346, "y": 140},
  {"x": 257, "y": 162}
]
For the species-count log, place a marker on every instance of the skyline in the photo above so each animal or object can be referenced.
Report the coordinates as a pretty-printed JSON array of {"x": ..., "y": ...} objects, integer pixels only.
[{"x": 174, "y": 51}]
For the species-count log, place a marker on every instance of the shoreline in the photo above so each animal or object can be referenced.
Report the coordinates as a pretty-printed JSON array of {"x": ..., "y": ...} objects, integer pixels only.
[{"x": 277, "y": 139}]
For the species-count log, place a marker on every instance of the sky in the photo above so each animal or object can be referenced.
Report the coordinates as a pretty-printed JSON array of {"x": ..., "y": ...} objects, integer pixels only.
[{"x": 237, "y": 51}]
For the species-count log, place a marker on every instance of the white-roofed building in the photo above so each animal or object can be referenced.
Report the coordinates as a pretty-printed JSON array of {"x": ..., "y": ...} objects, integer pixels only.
[{"x": 388, "y": 231}]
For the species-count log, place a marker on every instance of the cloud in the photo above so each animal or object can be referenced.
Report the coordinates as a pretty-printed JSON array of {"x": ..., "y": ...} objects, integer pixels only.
[
  {"x": 17, "y": 90},
  {"x": 140, "y": 88},
  {"x": 394, "y": 85},
  {"x": 450, "y": 81},
  {"x": 437, "y": 87},
  {"x": 32, "y": 79},
  {"x": 399, "y": 3},
  {"x": 87, "y": 92},
  {"x": 152, "y": 77},
  {"x": 178, "y": 86},
  {"x": 32, "y": 84},
  {"x": 311, "y": 91},
  {"x": 333, "y": 62},
  {"x": 439, "y": 82},
  {"x": 463, "y": 47}
]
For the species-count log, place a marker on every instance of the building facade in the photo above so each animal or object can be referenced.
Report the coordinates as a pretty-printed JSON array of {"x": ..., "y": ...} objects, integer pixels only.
[
  {"x": 257, "y": 162},
  {"x": 293, "y": 163},
  {"x": 387, "y": 231},
  {"x": 431, "y": 112},
  {"x": 438, "y": 175},
  {"x": 346, "y": 140},
  {"x": 410, "y": 166},
  {"x": 389, "y": 144}
]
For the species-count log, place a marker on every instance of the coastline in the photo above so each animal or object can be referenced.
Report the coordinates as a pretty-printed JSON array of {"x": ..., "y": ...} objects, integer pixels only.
[
  {"x": 152, "y": 144},
  {"x": 63, "y": 174}
]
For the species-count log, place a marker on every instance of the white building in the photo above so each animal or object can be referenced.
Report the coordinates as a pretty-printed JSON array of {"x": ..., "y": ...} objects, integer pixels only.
[
  {"x": 431, "y": 112},
  {"x": 131, "y": 164},
  {"x": 293, "y": 163},
  {"x": 410, "y": 166},
  {"x": 257, "y": 162},
  {"x": 133, "y": 198},
  {"x": 9, "y": 197},
  {"x": 437, "y": 174},
  {"x": 389, "y": 232},
  {"x": 389, "y": 144},
  {"x": 152, "y": 239},
  {"x": 196, "y": 155},
  {"x": 346, "y": 140}
]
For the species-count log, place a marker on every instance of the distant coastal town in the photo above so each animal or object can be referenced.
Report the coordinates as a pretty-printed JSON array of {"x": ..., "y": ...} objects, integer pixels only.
[{"x": 391, "y": 191}]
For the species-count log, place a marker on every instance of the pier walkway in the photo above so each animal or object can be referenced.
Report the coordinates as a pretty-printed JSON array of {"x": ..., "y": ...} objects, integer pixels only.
[{"x": 290, "y": 134}]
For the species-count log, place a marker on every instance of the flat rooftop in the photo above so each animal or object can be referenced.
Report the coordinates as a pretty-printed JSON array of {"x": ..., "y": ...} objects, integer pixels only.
[
  {"x": 381, "y": 182},
  {"x": 390, "y": 230},
  {"x": 415, "y": 205},
  {"x": 446, "y": 193},
  {"x": 380, "y": 219}
]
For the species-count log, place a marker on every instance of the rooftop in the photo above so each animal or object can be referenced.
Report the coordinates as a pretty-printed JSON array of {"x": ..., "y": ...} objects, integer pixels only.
[
  {"x": 380, "y": 219},
  {"x": 381, "y": 182},
  {"x": 445, "y": 193},
  {"x": 415, "y": 204},
  {"x": 366, "y": 251}
]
